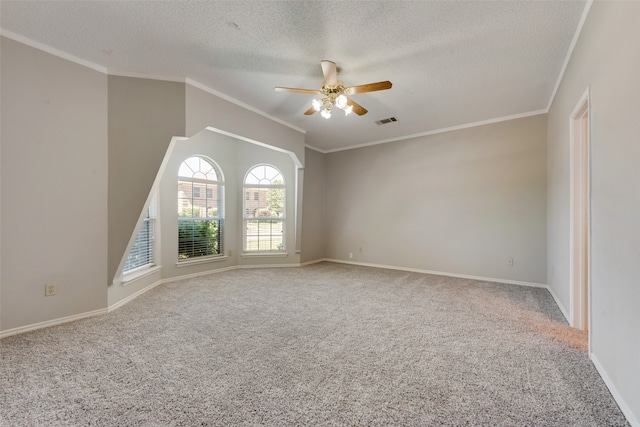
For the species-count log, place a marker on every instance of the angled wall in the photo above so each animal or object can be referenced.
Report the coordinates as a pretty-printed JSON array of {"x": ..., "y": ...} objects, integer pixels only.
[
  {"x": 144, "y": 115},
  {"x": 204, "y": 109}
]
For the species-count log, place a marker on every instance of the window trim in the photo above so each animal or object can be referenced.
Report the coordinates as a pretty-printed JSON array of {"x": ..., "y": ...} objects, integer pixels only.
[
  {"x": 219, "y": 183},
  {"x": 201, "y": 260},
  {"x": 264, "y": 254},
  {"x": 248, "y": 189},
  {"x": 138, "y": 273}
]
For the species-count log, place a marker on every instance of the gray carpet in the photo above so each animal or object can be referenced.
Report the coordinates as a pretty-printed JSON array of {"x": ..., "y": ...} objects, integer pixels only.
[{"x": 326, "y": 344}]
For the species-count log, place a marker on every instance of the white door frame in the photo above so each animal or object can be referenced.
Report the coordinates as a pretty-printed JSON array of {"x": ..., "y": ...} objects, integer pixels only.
[{"x": 580, "y": 207}]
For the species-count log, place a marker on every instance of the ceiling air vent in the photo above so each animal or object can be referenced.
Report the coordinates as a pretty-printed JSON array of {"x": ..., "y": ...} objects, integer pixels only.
[{"x": 385, "y": 121}]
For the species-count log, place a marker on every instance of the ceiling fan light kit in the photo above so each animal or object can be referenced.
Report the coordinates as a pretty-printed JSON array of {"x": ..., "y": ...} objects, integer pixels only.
[
  {"x": 336, "y": 93},
  {"x": 334, "y": 96}
]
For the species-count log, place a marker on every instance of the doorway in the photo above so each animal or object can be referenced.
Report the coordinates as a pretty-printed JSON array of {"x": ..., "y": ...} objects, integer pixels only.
[{"x": 579, "y": 213}]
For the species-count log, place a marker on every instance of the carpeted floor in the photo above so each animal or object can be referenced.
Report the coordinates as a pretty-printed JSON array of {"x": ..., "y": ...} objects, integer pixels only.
[{"x": 326, "y": 344}]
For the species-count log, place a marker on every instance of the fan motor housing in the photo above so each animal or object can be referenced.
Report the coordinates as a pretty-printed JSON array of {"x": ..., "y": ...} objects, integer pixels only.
[{"x": 333, "y": 91}]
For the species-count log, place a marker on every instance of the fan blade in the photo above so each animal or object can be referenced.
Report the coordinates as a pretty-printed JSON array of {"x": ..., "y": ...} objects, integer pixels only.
[
  {"x": 310, "y": 111},
  {"x": 371, "y": 87},
  {"x": 329, "y": 72},
  {"x": 296, "y": 90},
  {"x": 357, "y": 108}
]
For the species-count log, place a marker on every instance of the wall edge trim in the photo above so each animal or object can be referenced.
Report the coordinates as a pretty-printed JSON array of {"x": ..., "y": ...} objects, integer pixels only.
[
  {"x": 246, "y": 266},
  {"x": 315, "y": 261},
  {"x": 441, "y": 273},
  {"x": 572, "y": 46},
  {"x": 194, "y": 83},
  {"x": 124, "y": 301},
  {"x": 441, "y": 130},
  {"x": 626, "y": 410},
  {"x": 133, "y": 296},
  {"x": 53, "y": 322},
  {"x": 132, "y": 74},
  {"x": 232, "y": 100},
  {"x": 52, "y": 51},
  {"x": 559, "y": 304}
]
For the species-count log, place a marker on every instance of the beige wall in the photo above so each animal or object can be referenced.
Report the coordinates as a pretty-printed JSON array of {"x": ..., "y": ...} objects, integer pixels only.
[
  {"x": 204, "y": 109},
  {"x": 606, "y": 59},
  {"x": 459, "y": 202},
  {"x": 54, "y": 186},
  {"x": 144, "y": 115},
  {"x": 314, "y": 209}
]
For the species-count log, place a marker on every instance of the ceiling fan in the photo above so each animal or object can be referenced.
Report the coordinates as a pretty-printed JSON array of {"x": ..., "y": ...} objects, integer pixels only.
[{"x": 336, "y": 93}]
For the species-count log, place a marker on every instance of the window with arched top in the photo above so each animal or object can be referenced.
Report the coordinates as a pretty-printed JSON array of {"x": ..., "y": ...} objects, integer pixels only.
[
  {"x": 264, "y": 210},
  {"x": 200, "y": 209}
]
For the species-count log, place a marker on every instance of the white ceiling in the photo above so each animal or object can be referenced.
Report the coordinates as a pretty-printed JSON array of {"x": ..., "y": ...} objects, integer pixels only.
[{"x": 451, "y": 62}]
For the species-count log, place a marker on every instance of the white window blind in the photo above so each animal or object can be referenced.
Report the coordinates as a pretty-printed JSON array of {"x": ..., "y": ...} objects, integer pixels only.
[
  {"x": 264, "y": 211},
  {"x": 143, "y": 251}
]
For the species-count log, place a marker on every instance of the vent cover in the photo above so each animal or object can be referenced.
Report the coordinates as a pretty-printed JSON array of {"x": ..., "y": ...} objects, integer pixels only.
[{"x": 385, "y": 121}]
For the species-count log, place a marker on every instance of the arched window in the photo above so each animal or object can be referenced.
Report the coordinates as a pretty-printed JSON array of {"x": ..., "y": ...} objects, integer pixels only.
[
  {"x": 264, "y": 210},
  {"x": 200, "y": 209}
]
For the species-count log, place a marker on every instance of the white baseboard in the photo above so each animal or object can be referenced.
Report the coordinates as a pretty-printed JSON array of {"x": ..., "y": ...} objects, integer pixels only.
[
  {"x": 315, "y": 261},
  {"x": 202, "y": 273},
  {"x": 53, "y": 322},
  {"x": 267, "y": 266},
  {"x": 191, "y": 276},
  {"x": 559, "y": 304},
  {"x": 169, "y": 280},
  {"x": 133, "y": 296},
  {"x": 440, "y": 273},
  {"x": 626, "y": 410}
]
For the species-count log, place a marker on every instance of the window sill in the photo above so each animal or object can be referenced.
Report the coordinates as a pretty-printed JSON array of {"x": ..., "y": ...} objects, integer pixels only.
[
  {"x": 264, "y": 255},
  {"x": 201, "y": 260},
  {"x": 139, "y": 274}
]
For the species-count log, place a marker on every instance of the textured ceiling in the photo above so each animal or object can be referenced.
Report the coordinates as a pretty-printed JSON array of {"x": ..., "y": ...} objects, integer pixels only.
[{"x": 451, "y": 63}]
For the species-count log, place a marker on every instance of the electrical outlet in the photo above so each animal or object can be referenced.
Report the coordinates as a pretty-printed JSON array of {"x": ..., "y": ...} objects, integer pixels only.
[
  {"x": 350, "y": 255},
  {"x": 49, "y": 290},
  {"x": 360, "y": 250},
  {"x": 510, "y": 261},
  {"x": 230, "y": 252}
]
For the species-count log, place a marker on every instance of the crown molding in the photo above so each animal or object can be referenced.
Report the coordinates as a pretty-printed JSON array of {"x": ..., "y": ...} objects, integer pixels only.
[
  {"x": 69, "y": 57},
  {"x": 572, "y": 46},
  {"x": 241, "y": 104},
  {"x": 442, "y": 130},
  {"x": 52, "y": 50}
]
